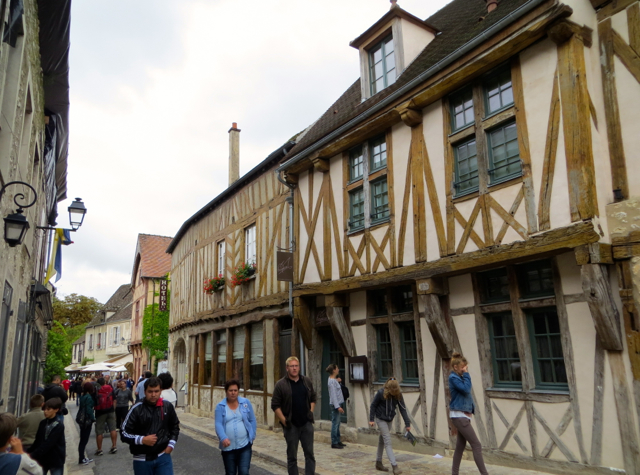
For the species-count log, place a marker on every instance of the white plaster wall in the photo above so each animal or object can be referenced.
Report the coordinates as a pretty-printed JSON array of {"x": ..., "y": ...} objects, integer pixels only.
[
  {"x": 414, "y": 39},
  {"x": 552, "y": 414},
  {"x": 629, "y": 106},
  {"x": 335, "y": 172},
  {"x": 433, "y": 134},
  {"x": 358, "y": 310},
  {"x": 509, "y": 408},
  {"x": 401, "y": 138},
  {"x": 569, "y": 273},
  {"x": 461, "y": 291},
  {"x": 611, "y": 442}
]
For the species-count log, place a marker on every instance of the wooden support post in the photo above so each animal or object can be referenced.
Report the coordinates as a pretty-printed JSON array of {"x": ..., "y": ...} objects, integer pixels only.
[
  {"x": 437, "y": 324},
  {"x": 597, "y": 291},
  {"x": 302, "y": 317},
  {"x": 417, "y": 181},
  {"x": 335, "y": 305},
  {"x": 576, "y": 121}
]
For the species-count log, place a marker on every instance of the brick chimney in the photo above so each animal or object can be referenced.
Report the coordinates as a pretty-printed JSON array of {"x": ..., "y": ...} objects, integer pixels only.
[
  {"x": 234, "y": 153},
  {"x": 491, "y": 5}
]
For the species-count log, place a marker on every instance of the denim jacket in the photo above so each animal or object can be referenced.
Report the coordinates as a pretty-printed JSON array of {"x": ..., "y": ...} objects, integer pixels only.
[
  {"x": 460, "y": 389},
  {"x": 248, "y": 417}
]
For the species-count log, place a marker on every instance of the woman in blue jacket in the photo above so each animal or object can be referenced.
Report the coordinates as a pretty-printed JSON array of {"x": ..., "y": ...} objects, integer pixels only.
[
  {"x": 236, "y": 428},
  {"x": 461, "y": 409}
]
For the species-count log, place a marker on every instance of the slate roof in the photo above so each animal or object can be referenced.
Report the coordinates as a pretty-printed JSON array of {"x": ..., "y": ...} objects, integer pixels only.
[
  {"x": 154, "y": 260},
  {"x": 124, "y": 313},
  {"x": 79, "y": 340},
  {"x": 117, "y": 299},
  {"x": 458, "y": 22}
]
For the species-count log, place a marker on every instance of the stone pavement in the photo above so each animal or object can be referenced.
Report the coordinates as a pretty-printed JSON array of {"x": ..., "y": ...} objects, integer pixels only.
[{"x": 354, "y": 459}]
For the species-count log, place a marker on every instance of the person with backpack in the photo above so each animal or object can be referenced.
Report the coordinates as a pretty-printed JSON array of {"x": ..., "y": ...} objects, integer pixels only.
[
  {"x": 105, "y": 414},
  {"x": 85, "y": 419},
  {"x": 336, "y": 400}
]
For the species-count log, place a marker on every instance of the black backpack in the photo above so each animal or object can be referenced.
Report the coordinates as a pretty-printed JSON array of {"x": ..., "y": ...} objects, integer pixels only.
[{"x": 345, "y": 391}]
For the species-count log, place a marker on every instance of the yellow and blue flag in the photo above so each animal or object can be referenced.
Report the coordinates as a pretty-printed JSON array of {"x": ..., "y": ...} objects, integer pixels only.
[{"x": 61, "y": 237}]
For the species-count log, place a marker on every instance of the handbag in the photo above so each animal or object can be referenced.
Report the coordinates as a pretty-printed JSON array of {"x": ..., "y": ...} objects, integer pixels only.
[
  {"x": 345, "y": 392},
  {"x": 82, "y": 419}
]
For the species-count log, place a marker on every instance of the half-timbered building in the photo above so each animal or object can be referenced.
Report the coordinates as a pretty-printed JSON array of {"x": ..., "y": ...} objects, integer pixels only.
[
  {"x": 228, "y": 331},
  {"x": 474, "y": 190}
]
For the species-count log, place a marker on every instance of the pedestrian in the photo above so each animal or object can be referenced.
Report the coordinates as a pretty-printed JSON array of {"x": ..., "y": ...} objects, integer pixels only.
[
  {"x": 49, "y": 448},
  {"x": 78, "y": 389},
  {"x": 151, "y": 429},
  {"x": 130, "y": 383},
  {"x": 168, "y": 394},
  {"x": 461, "y": 409},
  {"x": 139, "y": 390},
  {"x": 55, "y": 390},
  {"x": 66, "y": 384},
  {"x": 336, "y": 400},
  {"x": 236, "y": 428},
  {"x": 123, "y": 397},
  {"x": 86, "y": 420},
  {"x": 383, "y": 410},
  {"x": 105, "y": 414},
  {"x": 293, "y": 401},
  {"x": 28, "y": 423},
  {"x": 13, "y": 459}
]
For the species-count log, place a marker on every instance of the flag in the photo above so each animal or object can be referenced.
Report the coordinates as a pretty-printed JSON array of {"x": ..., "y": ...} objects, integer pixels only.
[{"x": 61, "y": 237}]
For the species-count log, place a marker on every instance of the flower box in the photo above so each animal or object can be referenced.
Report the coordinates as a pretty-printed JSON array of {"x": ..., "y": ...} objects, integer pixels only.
[
  {"x": 213, "y": 284},
  {"x": 244, "y": 273}
]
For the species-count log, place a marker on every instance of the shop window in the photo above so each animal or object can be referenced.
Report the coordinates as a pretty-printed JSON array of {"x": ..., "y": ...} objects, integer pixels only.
[
  {"x": 256, "y": 380},
  {"x": 221, "y": 344},
  {"x": 196, "y": 359},
  {"x": 208, "y": 353},
  {"x": 238, "y": 353}
]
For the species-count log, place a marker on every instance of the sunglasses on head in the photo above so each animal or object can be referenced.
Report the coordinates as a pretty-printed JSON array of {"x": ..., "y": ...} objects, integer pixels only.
[{"x": 391, "y": 379}]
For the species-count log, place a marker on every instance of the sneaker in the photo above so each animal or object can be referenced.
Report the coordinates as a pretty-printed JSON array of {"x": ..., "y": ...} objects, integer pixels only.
[
  {"x": 113, "y": 450},
  {"x": 341, "y": 444},
  {"x": 336, "y": 446},
  {"x": 85, "y": 461},
  {"x": 99, "y": 452}
]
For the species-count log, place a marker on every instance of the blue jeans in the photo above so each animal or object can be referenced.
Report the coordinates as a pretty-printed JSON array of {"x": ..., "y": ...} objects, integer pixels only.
[
  {"x": 335, "y": 426},
  {"x": 237, "y": 462},
  {"x": 163, "y": 465}
]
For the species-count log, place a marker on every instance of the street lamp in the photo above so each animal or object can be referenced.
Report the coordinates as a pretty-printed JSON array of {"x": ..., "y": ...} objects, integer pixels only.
[
  {"x": 76, "y": 213},
  {"x": 16, "y": 225}
]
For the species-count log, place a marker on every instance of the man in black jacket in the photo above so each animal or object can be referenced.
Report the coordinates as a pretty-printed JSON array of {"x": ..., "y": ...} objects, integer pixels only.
[
  {"x": 56, "y": 390},
  {"x": 151, "y": 429},
  {"x": 293, "y": 402}
]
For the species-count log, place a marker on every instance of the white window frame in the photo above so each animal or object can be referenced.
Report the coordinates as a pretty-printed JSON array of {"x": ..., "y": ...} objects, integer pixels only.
[
  {"x": 222, "y": 249},
  {"x": 250, "y": 252}
]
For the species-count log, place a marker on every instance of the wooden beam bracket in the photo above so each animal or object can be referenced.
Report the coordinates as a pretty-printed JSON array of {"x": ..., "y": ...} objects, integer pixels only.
[
  {"x": 440, "y": 331},
  {"x": 319, "y": 163},
  {"x": 433, "y": 285},
  {"x": 410, "y": 116},
  {"x": 341, "y": 331},
  {"x": 594, "y": 253},
  {"x": 563, "y": 30},
  {"x": 606, "y": 318}
]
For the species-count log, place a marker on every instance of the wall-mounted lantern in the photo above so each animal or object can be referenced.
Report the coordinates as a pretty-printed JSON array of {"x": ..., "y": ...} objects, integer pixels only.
[
  {"x": 16, "y": 225},
  {"x": 77, "y": 211}
]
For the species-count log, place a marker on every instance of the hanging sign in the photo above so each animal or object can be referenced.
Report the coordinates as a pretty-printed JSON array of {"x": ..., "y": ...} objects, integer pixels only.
[
  {"x": 163, "y": 295},
  {"x": 285, "y": 266}
]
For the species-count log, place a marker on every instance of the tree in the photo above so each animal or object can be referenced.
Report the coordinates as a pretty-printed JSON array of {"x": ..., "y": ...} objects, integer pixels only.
[
  {"x": 155, "y": 330},
  {"x": 74, "y": 310},
  {"x": 58, "y": 352}
]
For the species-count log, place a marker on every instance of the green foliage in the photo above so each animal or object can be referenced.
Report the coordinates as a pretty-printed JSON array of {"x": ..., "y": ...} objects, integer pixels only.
[
  {"x": 86, "y": 361},
  {"x": 74, "y": 310},
  {"x": 155, "y": 329},
  {"x": 58, "y": 352}
]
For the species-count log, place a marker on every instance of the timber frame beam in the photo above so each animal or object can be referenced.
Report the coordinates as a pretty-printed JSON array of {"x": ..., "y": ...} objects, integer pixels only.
[{"x": 549, "y": 243}]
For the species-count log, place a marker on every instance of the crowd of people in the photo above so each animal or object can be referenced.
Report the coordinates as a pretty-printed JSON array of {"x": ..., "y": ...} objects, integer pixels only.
[{"x": 144, "y": 413}]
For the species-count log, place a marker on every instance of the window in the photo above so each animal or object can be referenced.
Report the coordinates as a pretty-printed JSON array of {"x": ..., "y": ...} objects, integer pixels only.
[
  {"x": 356, "y": 164},
  {"x": 365, "y": 160},
  {"x": 402, "y": 298},
  {"x": 498, "y": 91},
  {"x": 356, "y": 204},
  {"x": 504, "y": 349},
  {"x": 546, "y": 349},
  {"x": 221, "y": 258},
  {"x": 379, "y": 200},
  {"x": 256, "y": 380},
  {"x": 494, "y": 286},
  {"x": 378, "y": 153},
  {"x": 250, "y": 244},
  {"x": 208, "y": 353},
  {"x": 536, "y": 279},
  {"x": 99, "y": 343},
  {"x": 196, "y": 359},
  {"x": 504, "y": 154},
  {"x": 221, "y": 344},
  {"x": 466, "y": 168},
  {"x": 378, "y": 299},
  {"x": 91, "y": 342},
  {"x": 238, "y": 354},
  {"x": 462, "y": 109},
  {"x": 382, "y": 65},
  {"x": 409, "y": 348},
  {"x": 497, "y": 159},
  {"x": 385, "y": 356}
]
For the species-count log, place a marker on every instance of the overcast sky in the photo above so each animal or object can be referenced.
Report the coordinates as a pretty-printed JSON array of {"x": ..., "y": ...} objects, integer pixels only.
[{"x": 155, "y": 86}]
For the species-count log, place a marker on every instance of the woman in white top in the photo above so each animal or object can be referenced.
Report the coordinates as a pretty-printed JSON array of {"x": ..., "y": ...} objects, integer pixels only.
[
  {"x": 168, "y": 394},
  {"x": 336, "y": 400}
]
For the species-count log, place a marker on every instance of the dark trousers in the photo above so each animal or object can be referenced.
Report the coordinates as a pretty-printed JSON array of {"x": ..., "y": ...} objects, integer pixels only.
[
  {"x": 467, "y": 434},
  {"x": 121, "y": 414},
  {"x": 85, "y": 432},
  {"x": 237, "y": 462},
  {"x": 303, "y": 435}
]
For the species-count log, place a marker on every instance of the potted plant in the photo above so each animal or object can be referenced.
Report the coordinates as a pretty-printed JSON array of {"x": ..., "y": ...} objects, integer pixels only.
[
  {"x": 213, "y": 284},
  {"x": 243, "y": 273}
]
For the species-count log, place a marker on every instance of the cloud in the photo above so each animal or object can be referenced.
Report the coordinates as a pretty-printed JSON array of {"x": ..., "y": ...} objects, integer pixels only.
[{"x": 155, "y": 85}]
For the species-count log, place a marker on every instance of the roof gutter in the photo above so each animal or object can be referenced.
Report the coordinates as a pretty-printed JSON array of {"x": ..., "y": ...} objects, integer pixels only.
[{"x": 462, "y": 50}]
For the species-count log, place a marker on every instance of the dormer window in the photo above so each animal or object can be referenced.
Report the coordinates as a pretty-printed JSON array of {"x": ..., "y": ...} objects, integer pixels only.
[{"x": 382, "y": 65}]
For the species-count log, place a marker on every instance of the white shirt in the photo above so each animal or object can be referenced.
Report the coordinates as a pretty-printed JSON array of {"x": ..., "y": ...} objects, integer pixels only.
[
  {"x": 169, "y": 395},
  {"x": 454, "y": 414}
]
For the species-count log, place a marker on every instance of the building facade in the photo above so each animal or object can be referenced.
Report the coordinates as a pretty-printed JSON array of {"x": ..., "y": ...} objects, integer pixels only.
[
  {"x": 474, "y": 191},
  {"x": 151, "y": 265},
  {"x": 33, "y": 150}
]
